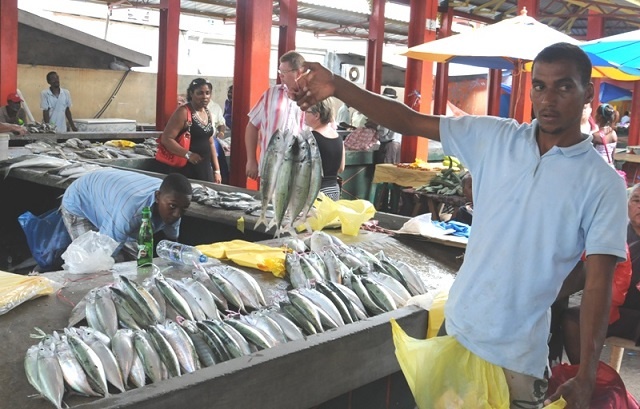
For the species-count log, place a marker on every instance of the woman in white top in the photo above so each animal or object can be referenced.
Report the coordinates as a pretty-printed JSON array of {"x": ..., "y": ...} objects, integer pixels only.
[{"x": 605, "y": 139}]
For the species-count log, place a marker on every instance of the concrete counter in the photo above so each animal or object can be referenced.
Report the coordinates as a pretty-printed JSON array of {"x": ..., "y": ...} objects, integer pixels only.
[{"x": 300, "y": 374}]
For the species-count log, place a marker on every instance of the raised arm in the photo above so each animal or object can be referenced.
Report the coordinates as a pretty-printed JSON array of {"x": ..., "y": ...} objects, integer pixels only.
[{"x": 318, "y": 83}]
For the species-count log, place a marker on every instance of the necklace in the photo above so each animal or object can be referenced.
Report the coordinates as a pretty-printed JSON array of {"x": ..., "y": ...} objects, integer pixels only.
[{"x": 205, "y": 120}]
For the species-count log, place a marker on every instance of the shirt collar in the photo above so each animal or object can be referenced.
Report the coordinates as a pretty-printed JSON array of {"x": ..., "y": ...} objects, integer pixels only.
[{"x": 568, "y": 151}]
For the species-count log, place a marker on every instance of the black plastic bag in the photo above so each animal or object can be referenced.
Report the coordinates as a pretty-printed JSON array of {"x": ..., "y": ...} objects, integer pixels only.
[{"x": 47, "y": 237}]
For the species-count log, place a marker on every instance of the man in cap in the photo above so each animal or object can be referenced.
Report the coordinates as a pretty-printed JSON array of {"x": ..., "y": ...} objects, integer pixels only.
[
  {"x": 12, "y": 113},
  {"x": 12, "y": 116}
]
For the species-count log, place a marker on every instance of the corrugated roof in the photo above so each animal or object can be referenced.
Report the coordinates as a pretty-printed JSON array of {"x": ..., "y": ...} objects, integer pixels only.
[{"x": 349, "y": 18}]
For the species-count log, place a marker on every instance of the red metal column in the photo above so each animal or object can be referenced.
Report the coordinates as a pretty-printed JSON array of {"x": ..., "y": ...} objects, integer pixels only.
[
  {"x": 634, "y": 126},
  {"x": 595, "y": 29},
  {"x": 494, "y": 91},
  {"x": 167, "y": 82},
  {"x": 419, "y": 74},
  {"x": 288, "y": 25},
  {"x": 441, "y": 93},
  {"x": 521, "y": 84},
  {"x": 8, "y": 47},
  {"x": 251, "y": 77},
  {"x": 373, "y": 63}
]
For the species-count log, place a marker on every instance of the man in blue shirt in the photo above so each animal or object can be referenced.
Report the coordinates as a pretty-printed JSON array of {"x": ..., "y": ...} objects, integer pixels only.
[
  {"x": 561, "y": 200},
  {"x": 110, "y": 201}
]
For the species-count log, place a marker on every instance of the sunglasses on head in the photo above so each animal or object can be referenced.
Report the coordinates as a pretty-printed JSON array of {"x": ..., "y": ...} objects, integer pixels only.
[{"x": 200, "y": 81}]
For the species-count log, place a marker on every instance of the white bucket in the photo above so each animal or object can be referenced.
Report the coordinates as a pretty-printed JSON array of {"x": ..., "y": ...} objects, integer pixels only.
[{"x": 4, "y": 146}]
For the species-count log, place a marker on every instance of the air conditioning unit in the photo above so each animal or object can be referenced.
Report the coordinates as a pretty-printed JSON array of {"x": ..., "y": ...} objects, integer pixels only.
[{"x": 354, "y": 73}]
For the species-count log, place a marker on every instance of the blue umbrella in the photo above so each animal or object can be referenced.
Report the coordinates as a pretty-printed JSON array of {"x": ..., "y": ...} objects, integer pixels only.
[{"x": 621, "y": 51}]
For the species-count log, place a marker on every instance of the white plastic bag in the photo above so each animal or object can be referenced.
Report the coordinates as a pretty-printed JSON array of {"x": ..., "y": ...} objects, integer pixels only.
[{"x": 89, "y": 253}]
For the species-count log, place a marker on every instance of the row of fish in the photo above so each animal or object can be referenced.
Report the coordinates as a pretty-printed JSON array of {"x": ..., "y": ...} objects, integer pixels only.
[
  {"x": 207, "y": 196},
  {"x": 290, "y": 178},
  {"x": 74, "y": 148},
  {"x": 209, "y": 294},
  {"x": 67, "y": 169}
]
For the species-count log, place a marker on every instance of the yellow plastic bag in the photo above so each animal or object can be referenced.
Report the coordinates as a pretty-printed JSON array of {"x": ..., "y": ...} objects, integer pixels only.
[
  {"x": 350, "y": 214},
  {"x": 248, "y": 254},
  {"x": 441, "y": 373},
  {"x": 120, "y": 143},
  {"x": 436, "y": 314},
  {"x": 16, "y": 289}
]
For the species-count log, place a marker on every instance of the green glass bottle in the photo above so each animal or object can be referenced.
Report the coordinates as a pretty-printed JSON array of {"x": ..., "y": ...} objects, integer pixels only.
[{"x": 145, "y": 239}]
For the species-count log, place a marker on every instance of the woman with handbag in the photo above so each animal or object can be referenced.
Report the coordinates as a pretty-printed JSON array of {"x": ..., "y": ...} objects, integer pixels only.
[{"x": 187, "y": 140}]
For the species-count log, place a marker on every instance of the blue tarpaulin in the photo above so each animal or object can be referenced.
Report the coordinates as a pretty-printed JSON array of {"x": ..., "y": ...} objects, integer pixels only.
[{"x": 609, "y": 92}]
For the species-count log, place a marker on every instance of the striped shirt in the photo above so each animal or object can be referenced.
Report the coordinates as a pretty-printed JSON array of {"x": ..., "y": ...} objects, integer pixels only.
[
  {"x": 113, "y": 199},
  {"x": 275, "y": 111}
]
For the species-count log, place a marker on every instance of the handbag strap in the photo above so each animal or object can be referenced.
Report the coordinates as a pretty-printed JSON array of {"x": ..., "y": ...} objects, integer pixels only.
[
  {"x": 604, "y": 143},
  {"x": 189, "y": 119}
]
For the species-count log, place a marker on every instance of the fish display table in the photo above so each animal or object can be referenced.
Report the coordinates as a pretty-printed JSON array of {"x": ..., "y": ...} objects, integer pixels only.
[{"x": 314, "y": 371}]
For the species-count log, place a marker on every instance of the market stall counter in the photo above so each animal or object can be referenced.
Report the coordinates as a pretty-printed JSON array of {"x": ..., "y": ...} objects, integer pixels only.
[{"x": 333, "y": 369}]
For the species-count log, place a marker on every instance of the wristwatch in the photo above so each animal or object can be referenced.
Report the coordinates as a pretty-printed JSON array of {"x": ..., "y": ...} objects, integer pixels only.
[{"x": 187, "y": 155}]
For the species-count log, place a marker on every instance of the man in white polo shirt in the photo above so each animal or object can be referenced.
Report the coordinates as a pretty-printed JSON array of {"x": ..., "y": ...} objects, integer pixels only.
[
  {"x": 542, "y": 196},
  {"x": 55, "y": 103}
]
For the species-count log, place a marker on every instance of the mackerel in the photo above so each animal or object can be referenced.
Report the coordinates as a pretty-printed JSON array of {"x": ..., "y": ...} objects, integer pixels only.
[
  {"x": 284, "y": 184},
  {"x": 230, "y": 292},
  {"x": 298, "y": 318},
  {"x": 123, "y": 350},
  {"x": 252, "y": 334},
  {"x": 148, "y": 355},
  {"x": 106, "y": 312},
  {"x": 307, "y": 308},
  {"x": 269, "y": 171},
  {"x": 50, "y": 377},
  {"x": 290, "y": 329},
  {"x": 338, "y": 302},
  {"x": 379, "y": 294},
  {"x": 72, "y": 372},
  {"x": 165, "y": 350},
  {"x": 109, "y": 362},
  {"x": 294, "y": 269},
  {"x": 90, "y": 362},
  {"x": 315, "y": 180},
  {"x": 371, "y": 306},
  {"x": 302, "y": 168},
  {"x": 182, "y": 345},
  {"x": 324, "y": 304},
  {"x": 205, "y": 354},
  {"x": 173, "y": 297},
  {"x": 194, "y": 306},
  {"x": 202, "y": 296}
]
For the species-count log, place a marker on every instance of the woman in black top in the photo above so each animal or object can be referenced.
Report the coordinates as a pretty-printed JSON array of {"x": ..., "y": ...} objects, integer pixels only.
[
  {"x": 320, "y": 119},
  {"x": 202, "y": 161}
]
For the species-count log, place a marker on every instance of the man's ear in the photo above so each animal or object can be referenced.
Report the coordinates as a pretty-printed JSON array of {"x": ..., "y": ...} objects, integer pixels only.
[
  {"x": 157, "y": 195},
  {"x": 589, "y": 94}
]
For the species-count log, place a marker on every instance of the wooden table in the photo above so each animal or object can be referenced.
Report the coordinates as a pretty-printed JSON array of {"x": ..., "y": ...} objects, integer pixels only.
[
  {"x": 631, "y": 166},
  {"x": 434, "y": 202},
  {"x": 391, "y": 173},
  {"x": 399, "y": 178}
]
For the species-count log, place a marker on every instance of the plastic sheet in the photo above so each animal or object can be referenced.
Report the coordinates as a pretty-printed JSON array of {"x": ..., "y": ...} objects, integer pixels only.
[
  {"x": 16, "y": 289},
  {"x": 89, "y": 253},
  {"x": 247, "y": 254}
]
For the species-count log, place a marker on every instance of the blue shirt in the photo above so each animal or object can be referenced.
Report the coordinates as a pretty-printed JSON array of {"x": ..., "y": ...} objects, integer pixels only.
[
  {"x": 112, "y": 200},
  {"x": 533, "y": 217},
  {"x": 57, "y": 107}
]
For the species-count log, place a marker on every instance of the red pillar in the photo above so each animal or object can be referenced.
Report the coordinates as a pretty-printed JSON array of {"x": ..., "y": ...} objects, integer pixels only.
[
  {"x": 167, "y": 83},
  {"x": 441, "y": 93},
  {"x": 373, "y": 63},
  {"x": 251, "y": 68},
  {"x": 521, "y": 85},
  {"x": 595, "y": 29},
  {"x": 634, "y": 126},
  {"x": 288, "y": 24},
  {"x": 494, "y": 91},
  {"x": 419, "y": 74},
  {"x": 8, "y": 47}
]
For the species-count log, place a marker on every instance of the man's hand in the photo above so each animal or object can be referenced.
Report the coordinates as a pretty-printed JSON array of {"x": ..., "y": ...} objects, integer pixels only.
[
  {"x": 315, "y": 85},
  {"x": 74, "y": 128},
  {"x": 20, "y": 130},
  {"x": 576, "y": 391},
  {"x": 252, "y": 169}
]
